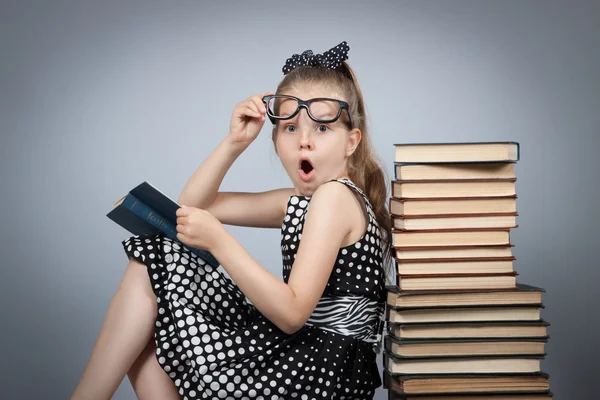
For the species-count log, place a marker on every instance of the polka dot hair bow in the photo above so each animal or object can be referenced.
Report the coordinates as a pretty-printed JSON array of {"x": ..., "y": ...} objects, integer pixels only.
[{"x": 331, "y": 59}]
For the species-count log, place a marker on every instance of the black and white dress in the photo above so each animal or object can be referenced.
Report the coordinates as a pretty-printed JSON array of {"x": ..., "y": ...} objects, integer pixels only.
[{"x": 215, "y": 345}]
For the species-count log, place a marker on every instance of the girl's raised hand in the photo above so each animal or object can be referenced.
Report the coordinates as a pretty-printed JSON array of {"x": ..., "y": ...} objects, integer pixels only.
[{"x": 247, "y": 120}]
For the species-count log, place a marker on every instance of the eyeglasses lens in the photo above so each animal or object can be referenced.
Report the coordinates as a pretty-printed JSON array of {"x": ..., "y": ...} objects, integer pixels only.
[{"x": 322, "y": 110}]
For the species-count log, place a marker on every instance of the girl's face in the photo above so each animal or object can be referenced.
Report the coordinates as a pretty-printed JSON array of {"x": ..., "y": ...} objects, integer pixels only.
[{"x": 312, "y": 152}]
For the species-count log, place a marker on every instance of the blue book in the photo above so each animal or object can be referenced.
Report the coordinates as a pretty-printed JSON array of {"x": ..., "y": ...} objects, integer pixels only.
[{"x": 145, "y": 210}]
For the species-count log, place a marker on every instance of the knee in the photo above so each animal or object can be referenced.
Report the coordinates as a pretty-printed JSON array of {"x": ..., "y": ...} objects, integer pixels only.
[{"x": 136, "y": 279}]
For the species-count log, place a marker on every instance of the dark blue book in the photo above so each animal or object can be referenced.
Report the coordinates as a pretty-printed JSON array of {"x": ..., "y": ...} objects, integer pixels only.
[{"x": 145, "y": 210}]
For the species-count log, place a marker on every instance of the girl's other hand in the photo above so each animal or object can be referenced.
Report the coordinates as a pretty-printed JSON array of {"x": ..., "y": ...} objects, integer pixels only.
[
  {"x": 247, "y": 120},
  {"x": 198, "y": 228}
]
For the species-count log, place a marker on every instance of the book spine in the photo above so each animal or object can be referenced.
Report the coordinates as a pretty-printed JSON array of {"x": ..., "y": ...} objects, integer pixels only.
[{"x": 143, "y": 211}]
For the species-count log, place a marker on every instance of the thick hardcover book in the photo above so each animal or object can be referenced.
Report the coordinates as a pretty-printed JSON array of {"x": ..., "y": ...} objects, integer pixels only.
[
  {"x": 463, "y": 364},
  {"x": 454, "y": 237},
  {"x": 147, "y": 211},
  {"x": 487, "y": 170},
  {"x": 472, "y": 396},
  {"x": 456, "y": 384},
  {"x": 449, "y": 253},
  {"x": 488, "y": 330},
  {"x": 454, "y": 205},
  {"x": 453, "y": 281},
  {"x": 522, "y": 294},
  {"x": 457, "y": 152},
  {"x": 453, "y": 188},
  {"x": 453, "y": 221},
  {"x": 488, "y": 395},
  {"x": 474, "y": 313},
  {"x": 464, "y": 347},
  {"x": 445, "y": 266}
]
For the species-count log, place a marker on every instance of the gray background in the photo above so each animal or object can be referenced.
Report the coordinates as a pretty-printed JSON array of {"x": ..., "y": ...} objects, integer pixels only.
[{"x": 95, "y": 98}]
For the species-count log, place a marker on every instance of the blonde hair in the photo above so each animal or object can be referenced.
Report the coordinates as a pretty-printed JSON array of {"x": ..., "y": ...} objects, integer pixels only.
[{"x": 364, "y": 166}]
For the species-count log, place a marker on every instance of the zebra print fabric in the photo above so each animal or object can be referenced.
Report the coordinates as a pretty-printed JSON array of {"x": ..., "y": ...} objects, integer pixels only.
[{"x": 356, "y": 316}]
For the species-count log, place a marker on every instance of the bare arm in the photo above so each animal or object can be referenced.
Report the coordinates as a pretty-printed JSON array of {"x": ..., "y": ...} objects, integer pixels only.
[
  {"x": 258, "y": 210},
  {"x": 201, "y": 189},
  {"x": 265, "y": 209},
  {"x": 290, "y": 305},
  {"x": 247, "y": 119},
  {"x": 261, "y": 210}
]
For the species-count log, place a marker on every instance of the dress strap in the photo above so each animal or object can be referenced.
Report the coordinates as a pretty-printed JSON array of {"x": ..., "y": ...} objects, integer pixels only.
[{"x": 352, "y": 185}]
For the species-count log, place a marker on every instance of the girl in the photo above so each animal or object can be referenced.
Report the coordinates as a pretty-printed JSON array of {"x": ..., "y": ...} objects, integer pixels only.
[{"x": 181, "y": 329}]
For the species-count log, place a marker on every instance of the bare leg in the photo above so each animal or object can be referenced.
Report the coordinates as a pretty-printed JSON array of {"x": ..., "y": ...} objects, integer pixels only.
[
  {"x": 127, "y": 328},
  {"x": 149, "y": 380}
]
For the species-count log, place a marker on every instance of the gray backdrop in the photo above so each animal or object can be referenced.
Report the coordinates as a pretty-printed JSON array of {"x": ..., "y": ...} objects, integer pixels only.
[{"x": 96, "y": 98}]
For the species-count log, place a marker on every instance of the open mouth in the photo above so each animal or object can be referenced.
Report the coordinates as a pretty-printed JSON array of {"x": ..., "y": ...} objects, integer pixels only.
[
  {"x": 306, "y": 166},
  {"x": 306, "y": 170}
]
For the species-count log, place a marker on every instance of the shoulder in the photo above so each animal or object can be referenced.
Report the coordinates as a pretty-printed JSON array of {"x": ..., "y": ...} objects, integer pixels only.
[
  {"x": 332, "y": 192},
  {"x": 335, "y": 200},
  {"x": 330, "y": 218}
]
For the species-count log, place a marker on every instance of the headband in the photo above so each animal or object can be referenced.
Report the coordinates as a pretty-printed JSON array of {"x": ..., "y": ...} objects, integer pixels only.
[{"x": 331, "y": 59}]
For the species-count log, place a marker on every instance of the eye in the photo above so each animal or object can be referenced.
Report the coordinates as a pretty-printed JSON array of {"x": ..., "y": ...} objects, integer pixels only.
[
  {"x": 319, "y": 127},
  {"x": 292, "y": 127}
]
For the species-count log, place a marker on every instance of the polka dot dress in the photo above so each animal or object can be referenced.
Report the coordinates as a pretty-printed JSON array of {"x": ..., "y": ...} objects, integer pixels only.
[{"x": 213, "y": 344}]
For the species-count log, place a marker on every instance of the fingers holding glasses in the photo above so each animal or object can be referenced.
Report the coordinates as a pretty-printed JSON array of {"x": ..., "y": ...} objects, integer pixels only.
[
  {"x": 252, "y": 110},
  {"x": 258, "y": 101},
  {"x": 247, "y": 119},
  {"x": 256, "y": 105}
]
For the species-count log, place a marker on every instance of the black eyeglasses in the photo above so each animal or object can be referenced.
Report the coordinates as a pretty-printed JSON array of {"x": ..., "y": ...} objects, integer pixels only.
[{"x": 321, "y": 109}]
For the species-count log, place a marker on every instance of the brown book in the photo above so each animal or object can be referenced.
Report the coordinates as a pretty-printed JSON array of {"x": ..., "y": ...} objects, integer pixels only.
[
  {"x": 457, "y": 281},
  {"x": 466, "y": 383},
  {"x": 454, "y": 152},
  {"x": 480, "y": 266},
  {"x": 452, "y": 252},
  {"x": 454, "y": 205},
  {"x": 455, "y": 237},
  {"x": 454, "y": 221},
  {"x": 468, "y": 330},
  {"x": 464, "y": 347},
  {"x": 470, "y": 396},
  {"x": 486, "y": 170},
  {"x": 521, "y": 294},
  {"x": 449, "y": 188},
  {"x": 461, "y": 365},
  {"x": 515, "y": 312}
]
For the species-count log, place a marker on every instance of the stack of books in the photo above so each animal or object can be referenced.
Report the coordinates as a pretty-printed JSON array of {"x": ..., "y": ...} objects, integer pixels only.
[{"x": 459, "y": 325}]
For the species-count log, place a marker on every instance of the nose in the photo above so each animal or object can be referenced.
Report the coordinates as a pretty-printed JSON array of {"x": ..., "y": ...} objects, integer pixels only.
[
  {"x": 304, "y": 128},
  {"x": 305, "y": 140}
]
